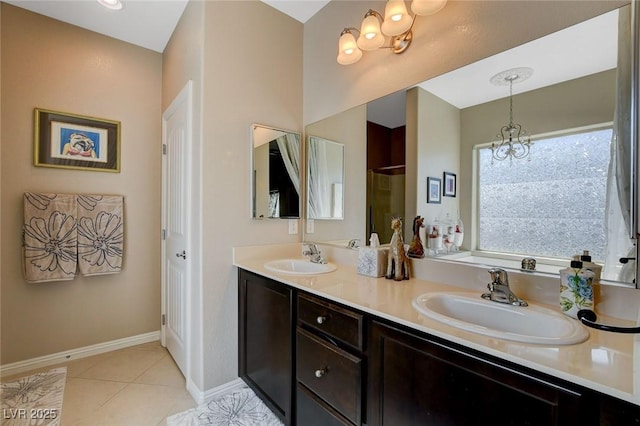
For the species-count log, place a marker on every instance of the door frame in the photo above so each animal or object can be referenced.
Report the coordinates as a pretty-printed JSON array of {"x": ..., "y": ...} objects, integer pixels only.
[{"x": 185, "y": 95}]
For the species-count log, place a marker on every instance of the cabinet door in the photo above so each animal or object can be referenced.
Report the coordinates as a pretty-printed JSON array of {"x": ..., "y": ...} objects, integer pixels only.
[
  {"x": 614, "y": 412},
  {"x": 265, "y": 341},
  {"x": 417, "y": 381}
]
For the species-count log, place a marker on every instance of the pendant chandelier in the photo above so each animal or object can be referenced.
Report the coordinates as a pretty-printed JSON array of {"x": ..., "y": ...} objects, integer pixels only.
[{"x": 513, "y": 142}]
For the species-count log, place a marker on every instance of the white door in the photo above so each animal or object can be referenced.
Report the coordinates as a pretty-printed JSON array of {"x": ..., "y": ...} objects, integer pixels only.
[{"x": 176, "y": 210}]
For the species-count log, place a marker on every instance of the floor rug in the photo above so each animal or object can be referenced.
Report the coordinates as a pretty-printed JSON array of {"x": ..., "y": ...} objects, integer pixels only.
[
  {"x": 238, "y": 408},
  {"x": 34, "y": 399}
]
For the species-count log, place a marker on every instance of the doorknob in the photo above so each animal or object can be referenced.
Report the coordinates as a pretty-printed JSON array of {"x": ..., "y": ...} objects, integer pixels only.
[{"x": 182, "y": 255}]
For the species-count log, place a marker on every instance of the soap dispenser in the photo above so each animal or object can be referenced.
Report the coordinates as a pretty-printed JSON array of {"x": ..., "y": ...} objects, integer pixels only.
[
  {"x": 588, "y": 264},
  {"x": 576, "y": 289}
]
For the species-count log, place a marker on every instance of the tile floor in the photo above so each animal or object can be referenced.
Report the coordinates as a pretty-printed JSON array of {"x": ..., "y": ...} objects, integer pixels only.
[{"x": 140, "y": 385}]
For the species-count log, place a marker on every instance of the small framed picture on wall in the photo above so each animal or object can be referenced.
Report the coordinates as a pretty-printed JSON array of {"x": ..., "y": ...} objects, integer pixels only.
[
  {"x": 72, "y": 141},
  {"x": 434, "y": 190},
  {"x": 449, "y": 188}
]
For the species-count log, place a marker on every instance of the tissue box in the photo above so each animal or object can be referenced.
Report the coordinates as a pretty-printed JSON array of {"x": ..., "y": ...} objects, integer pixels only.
[{"x": 372, "y": 262}]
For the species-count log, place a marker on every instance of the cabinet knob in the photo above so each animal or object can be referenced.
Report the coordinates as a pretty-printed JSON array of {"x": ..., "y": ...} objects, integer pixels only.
[
  {"x": 321, "y": 319},
  {"x": 320, "y": 373}
]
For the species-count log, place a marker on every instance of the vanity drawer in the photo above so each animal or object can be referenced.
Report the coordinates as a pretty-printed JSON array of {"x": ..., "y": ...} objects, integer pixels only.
[
  {"x": 312, "y": 411},
  {"x": 331, "y": 373},
  {"x": 332, "y": 320}
]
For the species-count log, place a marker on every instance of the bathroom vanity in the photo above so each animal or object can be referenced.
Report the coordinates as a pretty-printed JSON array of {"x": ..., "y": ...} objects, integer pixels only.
[{"x": 344, "y": 349}]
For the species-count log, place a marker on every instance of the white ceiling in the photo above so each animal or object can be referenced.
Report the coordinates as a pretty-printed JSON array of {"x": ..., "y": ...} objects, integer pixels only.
[
  {"x": 146, "y": 23},
  {"x": 301, "y": 10}
]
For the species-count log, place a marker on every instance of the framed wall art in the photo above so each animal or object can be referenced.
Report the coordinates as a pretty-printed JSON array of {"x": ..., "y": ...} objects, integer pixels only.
[
  {"x": 434, "y": 190},
  {"x": 449, "y": 188},
  {"x": 72, "y": 141}
]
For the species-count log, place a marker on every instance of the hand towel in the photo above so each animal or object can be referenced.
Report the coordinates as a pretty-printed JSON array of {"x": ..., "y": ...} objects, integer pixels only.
[
  {"x": 100, "y": 234},
  {"x": 49, "y": 244}
]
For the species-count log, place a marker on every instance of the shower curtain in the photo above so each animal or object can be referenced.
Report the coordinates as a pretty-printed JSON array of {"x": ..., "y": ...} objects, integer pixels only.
[
  {"x": 319, "y": 186},
  {"x": 618, "y": 220}
]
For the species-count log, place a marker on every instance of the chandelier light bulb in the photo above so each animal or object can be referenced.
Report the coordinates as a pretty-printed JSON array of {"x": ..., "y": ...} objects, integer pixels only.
[
  {"x": 427, "y": 7},
  {"x": 396, "y": 18},
  {"x": 111, "y": 4},
  {"x": 348, "y": 50},
  {"x": 371, "y": 37}
]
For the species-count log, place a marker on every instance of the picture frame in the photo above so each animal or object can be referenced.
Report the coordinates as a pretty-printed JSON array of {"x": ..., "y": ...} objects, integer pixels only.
[
  {"x": 449, "y": 187},
  {"x": 434, "y": 186},
  {"x": 72, "y": 141}
]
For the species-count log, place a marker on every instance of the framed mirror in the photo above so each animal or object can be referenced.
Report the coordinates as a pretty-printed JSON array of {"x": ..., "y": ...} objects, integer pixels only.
[
  {"x": 325, "y": 179},
  {"x": 447, "y": 126},
  {"x": 276, "y": 156}
]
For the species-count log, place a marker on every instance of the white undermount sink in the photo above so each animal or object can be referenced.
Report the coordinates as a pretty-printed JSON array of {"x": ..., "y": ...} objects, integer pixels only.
[
  {"x": 530, "y": 324},
  {"x": 299, "y": 267}
]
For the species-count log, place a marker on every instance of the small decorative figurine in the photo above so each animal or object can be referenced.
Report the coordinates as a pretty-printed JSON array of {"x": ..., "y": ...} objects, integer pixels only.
[
  {"x": 397, "y": 261},
  {"x": 416, "y": 249}
]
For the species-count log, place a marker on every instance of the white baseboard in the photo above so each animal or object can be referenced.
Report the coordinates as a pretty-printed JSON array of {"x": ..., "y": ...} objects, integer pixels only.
[
  {"x": 60, "y": 357},
  {"x": 202, "y": 397}
]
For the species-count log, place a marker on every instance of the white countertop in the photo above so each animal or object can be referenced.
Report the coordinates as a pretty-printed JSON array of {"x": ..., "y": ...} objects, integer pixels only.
[{"x": 605, "y": 362}]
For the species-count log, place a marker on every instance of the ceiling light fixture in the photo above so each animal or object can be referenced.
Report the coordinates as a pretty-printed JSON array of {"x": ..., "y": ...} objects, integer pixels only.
[
  {"x": 513, "y": 141},
  {"x": 396, "y": 24},
  {"x": 111, "y": 4}
]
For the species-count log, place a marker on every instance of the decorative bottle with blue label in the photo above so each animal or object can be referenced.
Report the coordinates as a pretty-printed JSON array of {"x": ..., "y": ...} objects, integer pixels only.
[{"x": 576, "y": 289}]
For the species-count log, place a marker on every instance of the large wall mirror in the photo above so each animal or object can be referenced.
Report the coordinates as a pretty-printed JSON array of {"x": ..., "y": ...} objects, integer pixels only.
[
  {"x": 570, "y": 194},
  {"x": 275, "y": 173}
]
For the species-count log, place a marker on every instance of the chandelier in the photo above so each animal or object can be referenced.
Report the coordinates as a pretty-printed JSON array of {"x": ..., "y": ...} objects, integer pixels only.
[
  {"x": 396, "y": 24},
  {"x": 512, "y": 141}
]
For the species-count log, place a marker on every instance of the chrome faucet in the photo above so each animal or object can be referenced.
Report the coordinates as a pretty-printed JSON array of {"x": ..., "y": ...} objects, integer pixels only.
[
  {"x": 499, "y": 290},
  {"x": 354, "y": 243},
  {"x": 312, "y": 251}
]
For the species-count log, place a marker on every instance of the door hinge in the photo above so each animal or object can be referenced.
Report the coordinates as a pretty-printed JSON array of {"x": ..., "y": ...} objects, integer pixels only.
[
  {"x": 164, "y": 234},
  {"x": 164, "y": 319},
  {"x": 164, "y": 149}
]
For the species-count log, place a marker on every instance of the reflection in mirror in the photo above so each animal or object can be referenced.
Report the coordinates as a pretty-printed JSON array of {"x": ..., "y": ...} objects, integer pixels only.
[
  {"x": 325, "y": 179},
  {"x": 276, "y": 173},
  {"x": 577, "y": 200}
]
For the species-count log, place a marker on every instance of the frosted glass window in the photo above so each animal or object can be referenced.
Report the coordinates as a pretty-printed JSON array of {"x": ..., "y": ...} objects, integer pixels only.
[{"x": 552, "y": 205}]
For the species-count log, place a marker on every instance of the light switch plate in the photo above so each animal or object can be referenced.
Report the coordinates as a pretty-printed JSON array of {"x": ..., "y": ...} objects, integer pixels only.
[
  {"x": 310, "y": 226},
  {"x": 293, "y": 226}
]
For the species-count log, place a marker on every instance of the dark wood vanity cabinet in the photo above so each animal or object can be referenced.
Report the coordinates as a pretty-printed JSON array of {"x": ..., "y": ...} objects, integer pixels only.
[
  {"x": 329, "y": 363},
  {"x": 416, "y": 380},
  {"x": 318, "y": 363},
  {"x": 265, "y": 339}
]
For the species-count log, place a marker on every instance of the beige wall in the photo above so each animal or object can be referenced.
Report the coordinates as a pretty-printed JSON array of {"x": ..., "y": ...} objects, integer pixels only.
[
  {"x": 52, "y": 65},
  {"x": 438, "y": 144},
  {"x": 461, "y": 33},
  {"x": 252, "y": 74}
]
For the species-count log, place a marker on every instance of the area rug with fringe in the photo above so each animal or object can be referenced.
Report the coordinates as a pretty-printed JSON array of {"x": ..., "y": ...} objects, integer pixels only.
[
  {"x": 33, "y": 400},
  {"x": 240, "y": 407}
]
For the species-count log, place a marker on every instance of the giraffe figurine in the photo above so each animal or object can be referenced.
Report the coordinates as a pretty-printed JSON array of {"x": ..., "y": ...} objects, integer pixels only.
[
  {"x": 416, "y": 249},
  {"x": 397, "y": 262}
]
